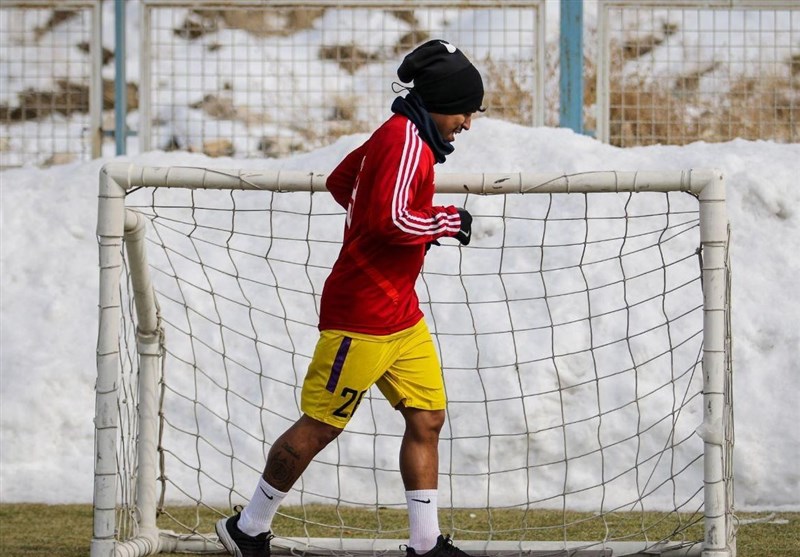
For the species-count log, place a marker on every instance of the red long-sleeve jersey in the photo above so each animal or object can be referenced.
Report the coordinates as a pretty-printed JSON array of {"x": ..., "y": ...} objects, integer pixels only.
[{"x": 387, "y": 187}]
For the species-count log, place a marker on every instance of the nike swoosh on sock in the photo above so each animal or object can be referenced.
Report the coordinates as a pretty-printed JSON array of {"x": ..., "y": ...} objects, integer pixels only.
[{"x": 267, "y": 495}]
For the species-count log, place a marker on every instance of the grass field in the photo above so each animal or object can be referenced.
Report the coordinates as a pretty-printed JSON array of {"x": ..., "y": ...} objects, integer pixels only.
[{"x": 28, "y": 530}]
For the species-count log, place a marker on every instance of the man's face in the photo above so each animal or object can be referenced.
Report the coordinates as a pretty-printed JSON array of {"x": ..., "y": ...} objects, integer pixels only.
[{"x": 451, "y": 124}]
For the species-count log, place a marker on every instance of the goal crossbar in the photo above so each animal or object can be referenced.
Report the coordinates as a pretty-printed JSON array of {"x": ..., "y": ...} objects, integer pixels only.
[
  {"x": 116, "y": 178},
  {"x": 119, "y": 227}
]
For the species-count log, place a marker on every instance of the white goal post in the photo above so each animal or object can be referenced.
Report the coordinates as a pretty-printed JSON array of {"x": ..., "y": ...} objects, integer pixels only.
[{"x": 584, "y": 337}]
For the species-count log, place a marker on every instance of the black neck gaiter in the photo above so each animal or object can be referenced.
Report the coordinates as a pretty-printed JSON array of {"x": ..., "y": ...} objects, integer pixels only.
[{"x": 412, "y": 108}]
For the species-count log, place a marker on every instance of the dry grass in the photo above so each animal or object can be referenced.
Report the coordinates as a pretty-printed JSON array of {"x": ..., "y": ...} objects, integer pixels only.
[
  {"x": 56, "y": 18},
  {"x": 639, "y": 45},
  {"x": 647, "y": 112},
  {"x": 757, "y": 109},
  {"x": 28, "y": 530},
  {"x": 506, "y": 97},
  {"x": 260, "y": 22},
  {"x": 644, "y": 114},
  {"x": 348, "y": 56},
  {"x": 68, "y": 97}
]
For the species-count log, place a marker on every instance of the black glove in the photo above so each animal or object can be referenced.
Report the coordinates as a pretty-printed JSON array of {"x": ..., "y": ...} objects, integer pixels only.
[
  {"x": 465, "y": 233},
  {"x": 429, "y": 244}
]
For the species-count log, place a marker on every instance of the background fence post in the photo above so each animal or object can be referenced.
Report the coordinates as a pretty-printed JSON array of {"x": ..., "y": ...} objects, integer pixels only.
[
  {"x": 120, "y": 79},
  {"x": 570, "y": 111}
]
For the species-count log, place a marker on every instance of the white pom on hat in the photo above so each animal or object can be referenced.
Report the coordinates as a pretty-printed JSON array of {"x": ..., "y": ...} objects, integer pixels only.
[{"x": 443, "y": 77}]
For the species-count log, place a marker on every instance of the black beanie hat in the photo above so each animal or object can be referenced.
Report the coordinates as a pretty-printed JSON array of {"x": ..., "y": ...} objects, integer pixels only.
[{"x": 443, "y": 77}]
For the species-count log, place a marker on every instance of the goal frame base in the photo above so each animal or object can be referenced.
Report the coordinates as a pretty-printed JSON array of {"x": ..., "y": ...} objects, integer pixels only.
[{"x": 208, "y": 544}]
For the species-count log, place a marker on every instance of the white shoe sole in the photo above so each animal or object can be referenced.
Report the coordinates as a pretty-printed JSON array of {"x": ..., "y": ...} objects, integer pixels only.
[{"x": 225, "y": 538}]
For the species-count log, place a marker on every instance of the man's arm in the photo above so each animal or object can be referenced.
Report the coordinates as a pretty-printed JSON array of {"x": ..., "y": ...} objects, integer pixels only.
[
  {"x": 402, "y": 173},
  {"x": 342, "y": 180}
]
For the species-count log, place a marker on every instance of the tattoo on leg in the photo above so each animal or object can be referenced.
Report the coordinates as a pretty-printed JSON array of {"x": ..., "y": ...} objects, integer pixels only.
[
  {"x": 281, "y": 467},
  {"x": 291, "y": 450}
]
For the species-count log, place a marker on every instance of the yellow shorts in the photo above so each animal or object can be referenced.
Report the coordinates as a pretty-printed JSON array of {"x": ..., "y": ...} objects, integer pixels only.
[{"x": 404, "y": 366}]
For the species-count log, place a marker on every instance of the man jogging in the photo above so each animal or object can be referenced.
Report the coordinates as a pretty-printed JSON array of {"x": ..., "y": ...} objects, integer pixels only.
[{"x": 372, "y": 330}]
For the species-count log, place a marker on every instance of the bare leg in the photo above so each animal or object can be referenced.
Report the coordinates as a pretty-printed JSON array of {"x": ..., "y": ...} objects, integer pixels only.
[
  {"x": 419, "y": 451},
  {"x": 293, "y": 451}
]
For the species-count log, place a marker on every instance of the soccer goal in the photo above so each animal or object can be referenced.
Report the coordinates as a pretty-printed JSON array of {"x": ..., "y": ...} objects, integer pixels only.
[{"x": 584, "y": 336}]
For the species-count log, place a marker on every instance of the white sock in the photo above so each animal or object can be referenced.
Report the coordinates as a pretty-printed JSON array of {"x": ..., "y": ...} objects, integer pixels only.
[
  {"x": 257, "y": 516},
  {"x": 423, "y": 519}
]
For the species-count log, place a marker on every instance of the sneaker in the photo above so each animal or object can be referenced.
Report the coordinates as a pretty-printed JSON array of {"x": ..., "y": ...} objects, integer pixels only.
[
  {"x": 240, "y": 544},
  {"x": 444, "y": 548}
]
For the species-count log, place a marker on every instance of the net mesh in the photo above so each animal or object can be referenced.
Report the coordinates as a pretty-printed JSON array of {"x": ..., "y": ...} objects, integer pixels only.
[{"x": 570, "y": 335}]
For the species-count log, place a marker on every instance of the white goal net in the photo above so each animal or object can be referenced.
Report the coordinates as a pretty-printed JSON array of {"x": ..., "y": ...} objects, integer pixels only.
[{"x": 583, "y": 334}]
